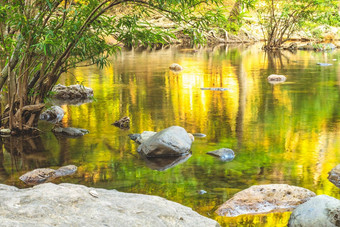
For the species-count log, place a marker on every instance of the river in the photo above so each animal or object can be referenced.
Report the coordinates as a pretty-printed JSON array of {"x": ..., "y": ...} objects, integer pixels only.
[{"x": 284, "y": 133}]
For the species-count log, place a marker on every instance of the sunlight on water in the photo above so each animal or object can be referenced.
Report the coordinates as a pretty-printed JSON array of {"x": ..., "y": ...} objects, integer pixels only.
[{"x": 284, "y": 133}]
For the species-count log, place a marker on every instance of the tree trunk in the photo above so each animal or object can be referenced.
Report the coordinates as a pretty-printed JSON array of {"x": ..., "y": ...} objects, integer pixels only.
[{"x": 235, "y": 13}]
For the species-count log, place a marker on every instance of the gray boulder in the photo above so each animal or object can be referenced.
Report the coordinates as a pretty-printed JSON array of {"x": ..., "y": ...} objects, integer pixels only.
[
  {"x": 76, "y": 91},
  {"x": 225, "y": 154},
  {"x": 76, "y": 205},
  {"x": 172, "y": 141},
  {"x": 259, "y": 199},
  {"x": 320, "y": 211},
  {"x": 54, "y": 114},
  {"x": 334, "y": 176}
]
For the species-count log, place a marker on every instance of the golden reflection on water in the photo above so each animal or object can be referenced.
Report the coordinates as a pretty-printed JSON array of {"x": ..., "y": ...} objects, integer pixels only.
[{"x": 287, "y": 133}]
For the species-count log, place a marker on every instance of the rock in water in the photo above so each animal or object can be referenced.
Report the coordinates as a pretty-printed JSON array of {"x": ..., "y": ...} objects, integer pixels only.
[
  {"x": 66, "y": 170},
  {"x": 323, "y": 64},
  {"x": 199, "y": 135},
  {"x": 334, "y": 176},
  {"x": 42, "y": 175},
  {"x": 259, "y": 199},
  {"x": 71, "y": 132},
  {"x": 276, "y": 79},
  {"x": 123, "y": 123},
  {"x": 172, "y": 141},
  {"x": 54, "y": 114},
  {"x": 134, "y": 136},
  {"x": 140, "y": 138},
  {"x": 215, "y": 88},
  {"x": 76, "y": 91},
  {"x": 321, "y": 210},
  {"x": 225, "y": 154},
  {"x": 5, "y": 131},
  {"x": 77, "y": 205},
  {"x": 175, "y": 67},
  {"x": 202, "y": 192},
  {"x": 38, "y": 176},
  {"x": 145, "y": 136}
]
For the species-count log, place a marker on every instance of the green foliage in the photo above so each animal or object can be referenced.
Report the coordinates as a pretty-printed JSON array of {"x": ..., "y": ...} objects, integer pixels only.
[
  {"x": 46, "y": 38},
  {"x": 280, "y": 19}
]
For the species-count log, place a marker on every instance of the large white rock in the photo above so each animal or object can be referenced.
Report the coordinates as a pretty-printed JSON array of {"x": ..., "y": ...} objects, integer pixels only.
[
  {"x": 76, "y": 205},
  {"x": 172, "y": 141},
  {"x": 320, "y": 211},
  {"x": 264, "y": 199}
]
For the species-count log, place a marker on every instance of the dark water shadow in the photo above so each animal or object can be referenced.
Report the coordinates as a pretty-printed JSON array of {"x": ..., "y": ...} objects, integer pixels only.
[
  {"x": 164, "y": 163},
  {"x": 26, "y": 152}
]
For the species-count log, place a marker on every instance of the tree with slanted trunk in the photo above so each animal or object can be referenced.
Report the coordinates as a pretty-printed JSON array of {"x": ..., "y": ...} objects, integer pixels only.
[{"x": 41, "y": 39}]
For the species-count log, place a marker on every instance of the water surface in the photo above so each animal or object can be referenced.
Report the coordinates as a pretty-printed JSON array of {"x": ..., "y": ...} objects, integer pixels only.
[{"x": 285, "y": 133}]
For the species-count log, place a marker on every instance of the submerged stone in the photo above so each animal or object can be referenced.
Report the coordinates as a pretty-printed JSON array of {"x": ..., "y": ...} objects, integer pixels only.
[
  {"x": 324, "y": 64},
  {"x": 70, "y": 131},
  {"x": 202, "y": 192},
  {"x": 215, "y": 88},
  {"x": 334, "y": 176},
  {"x": 199, "y": 135},
  {"x": 225, "y": 154},
  {"x": 260, "y": 199}
]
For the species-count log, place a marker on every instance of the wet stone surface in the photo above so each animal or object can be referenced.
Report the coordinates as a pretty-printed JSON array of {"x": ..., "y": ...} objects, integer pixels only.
[{"x": 42, "y": 175}]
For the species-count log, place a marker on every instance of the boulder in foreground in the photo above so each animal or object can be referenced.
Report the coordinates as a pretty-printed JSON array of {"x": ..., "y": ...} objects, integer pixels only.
[
  {"x": 260, "y": 199},
  {"x": 77, "y": 205},
  {"x": 319, "y": 211}
]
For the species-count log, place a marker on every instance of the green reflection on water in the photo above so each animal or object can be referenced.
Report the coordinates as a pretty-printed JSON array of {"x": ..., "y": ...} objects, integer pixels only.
[{"x": 287, "y": 133}]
